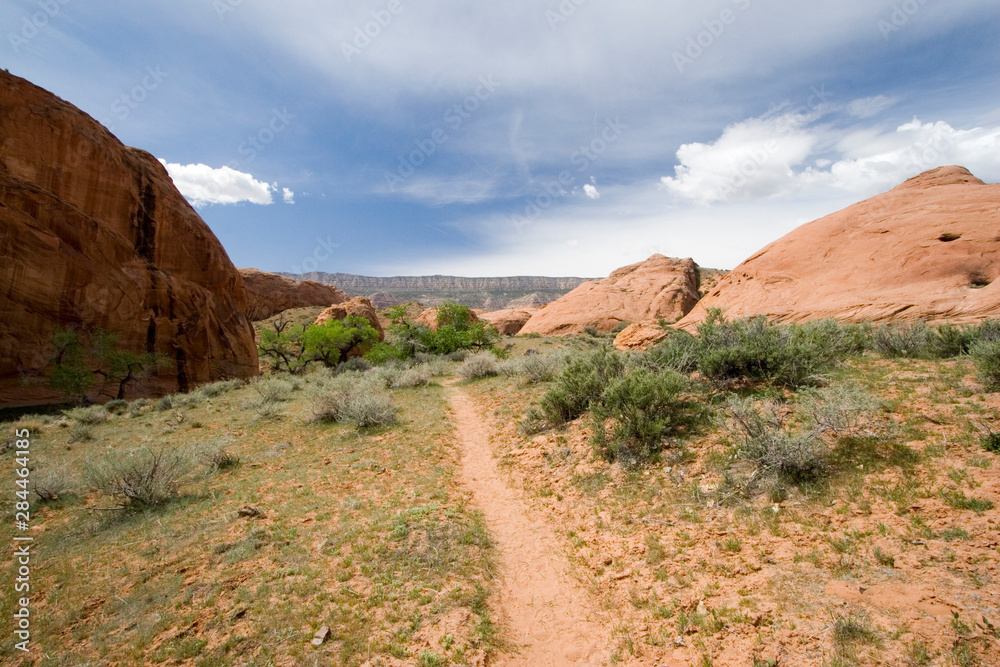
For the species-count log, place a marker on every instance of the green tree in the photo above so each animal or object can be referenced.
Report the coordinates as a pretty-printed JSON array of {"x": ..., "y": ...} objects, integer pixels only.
[
  {"x": 78, "y": 365},
  {"x": 329, "y": 343}
]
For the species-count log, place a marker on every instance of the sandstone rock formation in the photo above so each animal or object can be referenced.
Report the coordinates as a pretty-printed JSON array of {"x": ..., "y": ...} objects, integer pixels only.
[
  {"x": 429, "y": 318},
  {"x": 510, "y": 321},
  {"x": 93, "y": 234},
  {"x": 660, "y": 287},
  {"x": 269, "y": 293},
  {"x": 928, "y": 249},
  {"x": 359, "y": 306},
  {"x": 640, "y": 336}
]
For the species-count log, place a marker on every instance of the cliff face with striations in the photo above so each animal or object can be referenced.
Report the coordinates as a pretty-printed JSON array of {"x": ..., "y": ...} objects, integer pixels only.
[
  {"x": 269, "y": 293},
  {"x": 353, "y": 283},
  {"x": 928, "y": 249},
  {"x": 93, "y": 234}
]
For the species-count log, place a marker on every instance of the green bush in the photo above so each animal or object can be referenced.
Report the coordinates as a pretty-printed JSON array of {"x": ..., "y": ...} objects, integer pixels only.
[
  {"x": 915, "y": 340},
  {"x": 757, "y": 351},
  {"x": 383, "y": 351},
  {"x": 679, "y": 351},
  {"x": 776, "y": 451},
  {"x": 581, "y": 383},
  {"x": 645, "y": 407},
  {"x": 986, "y": 355}
]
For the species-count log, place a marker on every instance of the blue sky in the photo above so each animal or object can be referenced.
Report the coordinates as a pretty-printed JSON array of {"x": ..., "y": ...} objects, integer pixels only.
[{"x": 548, "y": 137}]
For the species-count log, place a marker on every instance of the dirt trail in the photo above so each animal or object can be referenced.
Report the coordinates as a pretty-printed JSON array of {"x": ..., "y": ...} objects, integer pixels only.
[{"x": 554, "y": 621}]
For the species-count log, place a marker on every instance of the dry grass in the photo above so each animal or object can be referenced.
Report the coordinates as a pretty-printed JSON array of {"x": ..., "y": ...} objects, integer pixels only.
[{"x": 366, "y": 532}]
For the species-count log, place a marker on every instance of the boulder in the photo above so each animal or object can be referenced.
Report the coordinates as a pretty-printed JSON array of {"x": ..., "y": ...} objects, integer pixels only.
[
  {"x": 359, "y": 306},
  {"x": 640, "y": 336},
  {"x": 269, "y": 294},
  {"x": 94, "y": 235},
  {"x": 429, "y": 318},
  {"x": 658, "y": 288},
  {"x": 510, "y": 321},
  {"x": 928, "y": 249}
]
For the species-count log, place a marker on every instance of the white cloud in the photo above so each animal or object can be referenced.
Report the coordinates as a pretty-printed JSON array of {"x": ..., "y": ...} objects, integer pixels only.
[
  {"x": 591, "y": 191},
  {"x": 288, "y": 196},
  {"x": 203, "y": 185},
  {"x": 867, "y": 107},
  {"x": 764, "y": 157},
  {"x": 752, "y": 159}
]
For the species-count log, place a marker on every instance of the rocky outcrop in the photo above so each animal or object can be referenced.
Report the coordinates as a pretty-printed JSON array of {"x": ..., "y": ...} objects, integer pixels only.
[
  {"x": 429, "y": 318},
  {"x": 927, "y": 250},
  {"x": 94, "y": 235},
  {"x": 533, "y": 300},
  {"x": 660, "y": 287},
  {"x": 640, "y": 336},
  {"x": 269, "y": 293},
  {"x": 359, "y": 306},
  {"x": 510, "y": 321}
]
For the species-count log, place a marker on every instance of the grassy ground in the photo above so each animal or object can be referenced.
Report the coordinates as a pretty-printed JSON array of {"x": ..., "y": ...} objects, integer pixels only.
[
  {"x": 891, "y": 560},
  {"x": 364, "y": 531}
]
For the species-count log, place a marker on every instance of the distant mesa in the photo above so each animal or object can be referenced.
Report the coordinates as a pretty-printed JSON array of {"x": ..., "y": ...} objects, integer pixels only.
[
  {"x": 658, "y": 288},
  {"x": 533, "y": 300},
  {"x": 928, "y": 249},
  {"x": 509, "y": 321},
  {"x": 359, "y": 306},
  {"x": 269, "y": 293},
  {"x": 94, "y": 235}
]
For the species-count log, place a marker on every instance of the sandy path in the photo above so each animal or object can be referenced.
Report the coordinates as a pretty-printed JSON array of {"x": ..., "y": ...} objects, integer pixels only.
[{"x": 553, "y": 620}]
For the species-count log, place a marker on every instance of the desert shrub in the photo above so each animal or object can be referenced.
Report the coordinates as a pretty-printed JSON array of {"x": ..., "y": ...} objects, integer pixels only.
[
  {"x": 116, "y": 406},
  {"x": 217, "y": 457},
  {"x": 952, "y": 341},
  {"x": 591, "y": 331},
  {"x": 81, "y": 433},
  {"x": 679, "y": 351},
  {"x": 843, "y": 410},
  {"x": 417, "y": 376},
  {"x": 355, "y": 364},
  {"x": 986, "y": 355},
  {"x": 95, "y": 414},
  {"x": 776, "y": 451},
  {"x": 756, "y": 351},
  {"x": 645, "y": 407},
  {"x": 218, "y": 388},
  {"x": 384, "y": 376},
  {"x": 911, "y": 340},
  {"x": 580, "y": 383},
  {"x": 271, "y": 389},
  {"x": 478, "y": 365},
  {"x": 370, "y": 409},
  {"x": 49, "y": 483},
  {"x": 331, "y": 406},
  {"x": 534, "y": 368},
  {"x": 165, "y": 403},
  {"x": 140, "y": 478}
]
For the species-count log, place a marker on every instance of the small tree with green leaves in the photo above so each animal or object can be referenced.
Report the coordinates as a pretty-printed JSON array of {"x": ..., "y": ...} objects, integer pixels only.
[
  {"x": 330, "y": 342},
  {"x": 78, "y": 364}
]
